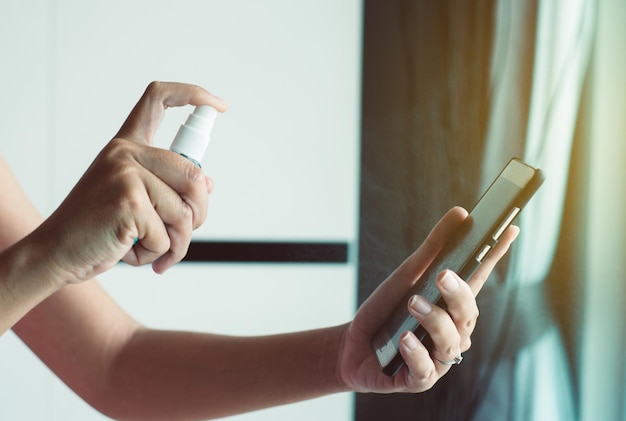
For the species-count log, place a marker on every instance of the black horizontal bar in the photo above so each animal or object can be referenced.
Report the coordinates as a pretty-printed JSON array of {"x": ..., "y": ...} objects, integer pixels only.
[{"x": 266, "y": 252}]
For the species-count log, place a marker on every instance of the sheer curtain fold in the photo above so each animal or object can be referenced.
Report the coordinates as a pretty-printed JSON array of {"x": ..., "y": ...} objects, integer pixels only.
[{"x": 544, "y": 118}]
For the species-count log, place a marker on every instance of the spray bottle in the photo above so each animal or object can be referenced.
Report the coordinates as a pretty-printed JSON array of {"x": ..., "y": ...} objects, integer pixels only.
[{"x": 193, "y": 137}]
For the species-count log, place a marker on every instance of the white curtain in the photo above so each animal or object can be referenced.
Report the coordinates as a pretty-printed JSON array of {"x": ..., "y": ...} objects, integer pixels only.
[
  {"x": 602, "y": 362},
  {"x": 563, "y": 38}
]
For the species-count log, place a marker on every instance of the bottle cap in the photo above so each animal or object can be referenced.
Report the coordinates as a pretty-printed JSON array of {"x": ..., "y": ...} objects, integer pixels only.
[{"x": 194, "y": 136}]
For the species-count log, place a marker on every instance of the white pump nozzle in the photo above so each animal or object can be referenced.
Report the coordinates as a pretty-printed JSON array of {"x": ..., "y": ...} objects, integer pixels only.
[{"x": 193, "y": 137}]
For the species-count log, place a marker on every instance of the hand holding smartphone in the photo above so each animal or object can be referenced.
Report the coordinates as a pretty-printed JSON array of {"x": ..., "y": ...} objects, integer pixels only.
[{"x": 478, "y": 234}]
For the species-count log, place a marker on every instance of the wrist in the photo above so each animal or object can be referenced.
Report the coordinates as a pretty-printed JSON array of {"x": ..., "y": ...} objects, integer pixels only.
[
  {"x": 42, "y": 255},
  {"x": 333, "y": 350},
  {"x": 26, "y": 280}
]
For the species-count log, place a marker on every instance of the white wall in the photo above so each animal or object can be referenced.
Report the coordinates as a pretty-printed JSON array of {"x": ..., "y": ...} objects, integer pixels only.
[{"x": 284, "y": 158}]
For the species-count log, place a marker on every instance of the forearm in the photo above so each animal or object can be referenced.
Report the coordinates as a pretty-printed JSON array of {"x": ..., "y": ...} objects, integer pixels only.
[
  {"x": 26, "y": 279},
  {"x": 177, "y": 375},
  {"x": 27, "y": 275}
]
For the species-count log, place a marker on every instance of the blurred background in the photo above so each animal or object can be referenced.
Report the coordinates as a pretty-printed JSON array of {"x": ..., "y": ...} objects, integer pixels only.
[{"x": 353, "y": 125}]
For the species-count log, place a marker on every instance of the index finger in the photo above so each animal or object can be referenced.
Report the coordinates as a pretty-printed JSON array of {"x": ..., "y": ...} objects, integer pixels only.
[
  {"x": 384, "y": 299},
  {"x": 143, "y": 121},
  {"x": 478, "y": 279}
]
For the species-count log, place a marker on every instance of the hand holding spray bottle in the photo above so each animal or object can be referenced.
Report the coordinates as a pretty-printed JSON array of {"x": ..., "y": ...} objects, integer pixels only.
[{"x": 194, "y": 136}]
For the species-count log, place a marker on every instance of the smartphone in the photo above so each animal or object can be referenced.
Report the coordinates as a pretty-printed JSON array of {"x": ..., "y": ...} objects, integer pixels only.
[{"x": 464, "y": 252}]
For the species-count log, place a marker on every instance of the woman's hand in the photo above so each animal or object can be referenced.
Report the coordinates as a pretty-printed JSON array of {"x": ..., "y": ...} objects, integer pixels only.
[
  {"x": 450, "y": 329},
  {"x": 135, "y": 203}
]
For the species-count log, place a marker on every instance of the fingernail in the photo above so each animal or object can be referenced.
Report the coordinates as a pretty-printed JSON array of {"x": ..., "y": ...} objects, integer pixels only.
[
  {"x": 449, "y": 282},
  {"x": 225, "y": 104},
  {"x": 409, "y": 341},
  {"x": 209, "y": 184},
  {"x": 420, "y": 305}
]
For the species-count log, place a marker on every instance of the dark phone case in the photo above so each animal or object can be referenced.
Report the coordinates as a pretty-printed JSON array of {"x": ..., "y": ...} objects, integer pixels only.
[{"x": 478, "y": 234}]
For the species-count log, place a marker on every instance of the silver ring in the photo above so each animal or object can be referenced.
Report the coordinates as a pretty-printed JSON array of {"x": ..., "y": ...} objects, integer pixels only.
[{"x": 455, "y": 361}]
